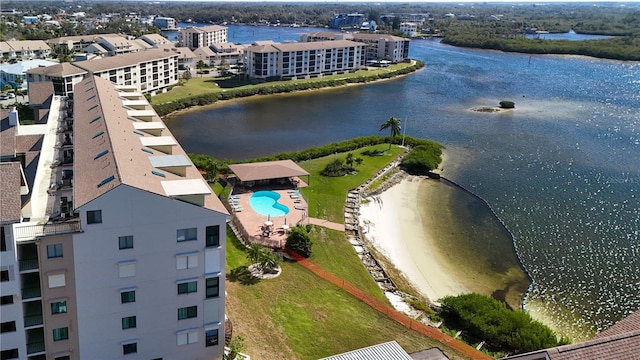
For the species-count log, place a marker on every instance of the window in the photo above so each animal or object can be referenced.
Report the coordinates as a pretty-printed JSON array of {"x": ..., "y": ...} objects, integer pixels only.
[
  {"x": 9, "y": 354},
  {"x": 212, "y": 237},
  {"x": 128, "y": 322},
  {"x": 57, "y": 280},
  {"x": 187, "y": 234},
  {"x": 211, "y": 337},
  {"x": 60, "y": 334},
  {"x": 127, "y": 269},
  {"x": 58, "y": 307},
  {"x": 6, "y": 300},
  {"x": 187, "y": 287},
  {"x": 94, "y": 217},
  {"x": 54, "y": 251},
  {"x": 128, "y": 296},
  {"x": 213, "y": 287},
  {"x": 186, "y": 261},
  {"x": 130, "y": 348},
  {"x": 3, "y": 240},
  {"x": 187, "y": 312},
  {"x": 67, "y": 357},
  {"x": 9, "y": 326},
  {"x": 187, "y": 337},
  {"x": 4, "y": 275},
  {"x": 125, "y": 242}
]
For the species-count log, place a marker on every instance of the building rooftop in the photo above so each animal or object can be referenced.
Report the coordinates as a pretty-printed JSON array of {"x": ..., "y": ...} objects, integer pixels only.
[
  {"x": 385, "y": 351},
  {"x": 111, "y": 151},
  {"x": 115, "y": 62},
  {"x": 267, "y": 170},
  {"x": 57, "y": 70},
  {"x": 10, "y": 204}
]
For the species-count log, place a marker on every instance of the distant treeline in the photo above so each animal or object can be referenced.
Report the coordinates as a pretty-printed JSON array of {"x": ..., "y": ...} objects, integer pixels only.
[{"x": 625, "y": 48}]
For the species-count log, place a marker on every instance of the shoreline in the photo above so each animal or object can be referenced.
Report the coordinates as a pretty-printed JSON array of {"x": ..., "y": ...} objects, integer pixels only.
[
  {"x": 197, "y": 108},
  {"x": 444, "y": 240}
]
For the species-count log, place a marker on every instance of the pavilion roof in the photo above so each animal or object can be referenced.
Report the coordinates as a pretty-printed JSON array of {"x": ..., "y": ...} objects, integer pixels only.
[{"x": 267, "y": 170}]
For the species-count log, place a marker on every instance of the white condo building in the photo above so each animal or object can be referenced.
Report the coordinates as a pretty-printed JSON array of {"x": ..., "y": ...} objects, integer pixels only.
[
  {"x": 303, "y": 60},
  {"x": 117, "y": 247},
  {"x": 197, "y": 37}
]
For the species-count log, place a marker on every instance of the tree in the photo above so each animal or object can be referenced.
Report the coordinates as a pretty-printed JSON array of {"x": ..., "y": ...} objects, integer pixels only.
[
  {"x": 187, "y": 73},
  {"x": 393, "y": 124},
  {"x": 255, "y": 253},
  {"x": 19, "y": 82},
  {"x": 200, "y": 64},
  {"x": 349, "y": 160},
  {"x": 299, "y": 241},
  {"x": 358, "y": 161},
  {"x": 236, "y": 345}
]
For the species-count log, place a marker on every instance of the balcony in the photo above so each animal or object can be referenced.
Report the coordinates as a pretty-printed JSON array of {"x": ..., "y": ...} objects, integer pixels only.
[
  {"x": 35, "y": 340},
  {"x": 33, "y": 313},
  {"x": 31, "y": 230},
  {"x": 28, "y": 264},
  {"x": 31, "y": 293},
  {"x": 30, "y": 286}
]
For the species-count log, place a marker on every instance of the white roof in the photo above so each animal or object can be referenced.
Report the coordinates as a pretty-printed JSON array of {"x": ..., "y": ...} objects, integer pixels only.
[
  {"x": 164, "y": 161},
  {"x": 148, "y": 125},
  {"x": 21, "y": 67},
  {"x": 158, "y": 141},
  {"x": 185, "y": 187}
]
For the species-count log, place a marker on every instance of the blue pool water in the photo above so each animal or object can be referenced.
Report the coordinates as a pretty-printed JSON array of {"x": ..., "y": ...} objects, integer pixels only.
[{"x": 265, "y": 203}]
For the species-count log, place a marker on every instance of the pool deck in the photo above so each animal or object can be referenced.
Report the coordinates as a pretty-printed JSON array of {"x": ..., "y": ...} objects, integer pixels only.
[{"x": 252, "y": 222}]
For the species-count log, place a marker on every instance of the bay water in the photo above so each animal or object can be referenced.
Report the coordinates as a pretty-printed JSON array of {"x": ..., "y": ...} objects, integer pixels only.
[{"x": 561, "y": 171}]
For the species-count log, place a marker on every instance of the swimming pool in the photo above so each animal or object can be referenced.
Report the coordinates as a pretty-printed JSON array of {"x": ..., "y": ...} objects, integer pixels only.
[{"x": 265, "y": 203}]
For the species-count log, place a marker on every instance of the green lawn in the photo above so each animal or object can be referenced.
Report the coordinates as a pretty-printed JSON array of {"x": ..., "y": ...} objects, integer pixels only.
[
  {"x": 300, "y": 316},
  {"x": 326, "y": 195},
  {"x": 201, "y": 85}
]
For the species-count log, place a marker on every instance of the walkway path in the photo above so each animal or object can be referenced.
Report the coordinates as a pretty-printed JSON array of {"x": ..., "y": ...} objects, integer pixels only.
[
  {"x": 385, "y": 309},
  {"x": 326, "y": 223}
]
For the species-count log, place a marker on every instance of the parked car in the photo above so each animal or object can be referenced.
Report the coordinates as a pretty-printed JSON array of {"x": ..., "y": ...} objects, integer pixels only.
[
  {"x": 11, "y": 95},
  {"x": 5, "y": 97}
]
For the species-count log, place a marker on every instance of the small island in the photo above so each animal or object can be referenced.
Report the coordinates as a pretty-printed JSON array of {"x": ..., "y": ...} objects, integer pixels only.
[{"x": 505, "y": 105}]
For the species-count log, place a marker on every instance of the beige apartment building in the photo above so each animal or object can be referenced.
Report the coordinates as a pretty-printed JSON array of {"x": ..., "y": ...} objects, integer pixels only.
[
  {"x": 197, "y": 37},
  {"x": 112, "y": 242},
  {"x": 378, "y": 46}
]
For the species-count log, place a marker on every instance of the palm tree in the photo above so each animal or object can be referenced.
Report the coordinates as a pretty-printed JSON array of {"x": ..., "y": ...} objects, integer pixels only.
[{"x": 393, "y": 124}]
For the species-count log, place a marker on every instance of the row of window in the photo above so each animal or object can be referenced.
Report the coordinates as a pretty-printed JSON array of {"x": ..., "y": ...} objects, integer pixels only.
[{"x": 183, "y": 338}]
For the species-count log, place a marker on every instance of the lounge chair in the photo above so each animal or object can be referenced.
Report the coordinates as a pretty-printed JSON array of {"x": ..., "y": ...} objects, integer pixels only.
[
  {"x": 297, "y": 201},
  {"x": 237, "y": 208},
  {"x": 301, "y": 207},
  {"x": 294, "y": 196}
]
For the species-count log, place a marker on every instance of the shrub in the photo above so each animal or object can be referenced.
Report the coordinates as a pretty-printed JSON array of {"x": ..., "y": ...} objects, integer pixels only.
[
  {"x": 334, "y": 168},
  {"x": 299, "y": 241},
  {"x": 422, "y": 159},
  {"x": 485, "y": 318},
  {"x": 507, "y": 104}
]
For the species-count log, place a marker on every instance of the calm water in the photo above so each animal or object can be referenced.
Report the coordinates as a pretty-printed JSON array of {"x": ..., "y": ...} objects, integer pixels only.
[{"x": 562, "y": 170}]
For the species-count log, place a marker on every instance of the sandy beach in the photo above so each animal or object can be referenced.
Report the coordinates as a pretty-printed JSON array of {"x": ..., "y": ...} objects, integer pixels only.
[{"x": 393, "y": 223}]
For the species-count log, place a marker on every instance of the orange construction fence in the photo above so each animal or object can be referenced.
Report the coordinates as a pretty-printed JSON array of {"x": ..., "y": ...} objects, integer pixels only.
[{"x": 385, "y": 309}]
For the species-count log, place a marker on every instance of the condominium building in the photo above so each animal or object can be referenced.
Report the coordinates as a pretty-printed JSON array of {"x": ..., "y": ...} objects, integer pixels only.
[
  {"x": 303, "y": 60},
  {"x": 165, "y": 23},
  {"x": 24, "y": 50},
  {"x": 197, "y": 37},
  {"x": 219, "y": 53},
  {"x": 378, "y": 46},
  {"x": 347, "y": 21},
  {"x": 409, "y": 28},
  {"x": 63, "y": 76},
  {"x": 116, "y": 248}
]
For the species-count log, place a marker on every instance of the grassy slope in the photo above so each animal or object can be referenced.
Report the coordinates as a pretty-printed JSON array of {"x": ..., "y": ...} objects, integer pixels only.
[
  {"x": 326, "y": 195},
  {"x": 202, "y": 85},
  {"x": 300, "y": 316}
]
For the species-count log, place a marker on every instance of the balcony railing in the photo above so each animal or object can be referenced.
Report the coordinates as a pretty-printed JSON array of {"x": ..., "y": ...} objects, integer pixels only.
[
  {"x": 32, "y": 231},
  {"x": 35, "y": 347},
  {"x": 30, "y": 293},
  {"x": 28, "y": 264},
  {"x": 33, "y": 320}
]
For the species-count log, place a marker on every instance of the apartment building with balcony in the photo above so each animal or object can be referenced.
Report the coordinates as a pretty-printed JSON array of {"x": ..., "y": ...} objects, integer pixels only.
[
  {"x": 114, "y": 247},
  {"x": 24, "y": 50},
  {"x": 197, "y": 37},
  {"x": 151, "y": 71},
  {"x": 378, "y": 46},
  {"x": 303, "y": 60}
]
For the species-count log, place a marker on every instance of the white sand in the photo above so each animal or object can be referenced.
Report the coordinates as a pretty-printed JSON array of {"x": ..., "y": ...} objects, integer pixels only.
[{"x": 392, "y": 223}]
